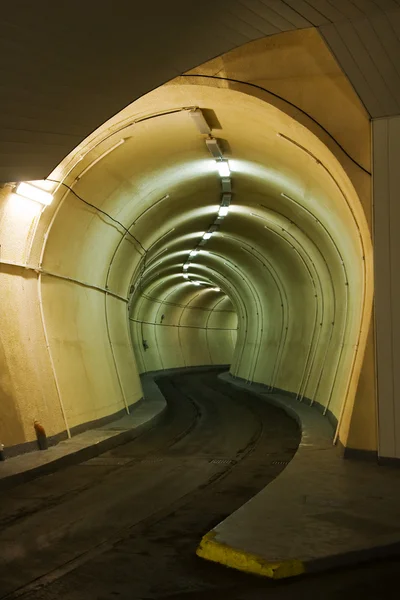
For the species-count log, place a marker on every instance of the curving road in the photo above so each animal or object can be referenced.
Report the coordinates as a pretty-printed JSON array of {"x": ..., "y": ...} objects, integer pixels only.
[{"x": 127, "y": 523}]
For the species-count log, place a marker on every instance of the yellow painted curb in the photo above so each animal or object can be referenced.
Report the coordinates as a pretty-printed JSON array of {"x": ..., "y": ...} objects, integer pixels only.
[{"x": 215, "y": 551}]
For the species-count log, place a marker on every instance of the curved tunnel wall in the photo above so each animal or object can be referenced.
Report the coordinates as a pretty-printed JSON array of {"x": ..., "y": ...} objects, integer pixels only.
[
  {"x": 293, "y": 256},
  {"x": 182, "y": 329}
]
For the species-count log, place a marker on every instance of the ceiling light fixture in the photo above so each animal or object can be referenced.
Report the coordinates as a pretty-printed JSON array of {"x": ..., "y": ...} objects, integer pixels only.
[
  {"x": 214, "y": 147},
  {"x": 186, "y": 266},
  {"x": 225, "y": 204},
  {"x": 216, "y": 289},
  {"x": 27, "y": 190},
  {"x": 207, "y": 235},
  {"x": 223, "y": 168},
  {"x": 200, "y": 121},
  {"x": 226, "y": 183},
  {"x": 193, "y": 253}
]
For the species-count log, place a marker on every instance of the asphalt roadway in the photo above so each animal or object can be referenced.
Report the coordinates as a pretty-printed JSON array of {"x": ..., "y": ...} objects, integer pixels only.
[{"x": 127, "y": 523}]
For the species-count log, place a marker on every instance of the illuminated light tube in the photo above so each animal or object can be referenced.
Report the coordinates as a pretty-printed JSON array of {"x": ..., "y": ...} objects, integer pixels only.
[
  {"x": 185, "y": 267},
  {"x": 27, "y": 190},
  {"x": 216, "y": 289},
  {"x": 195, "y": 283},
  {"x": 194, "y": 253},
  {"x": 185, "y": 276},
  {"x": 223, "y": 168},
  {"x": 225, "y": 204},
  {"x": 207, "y": 235}
]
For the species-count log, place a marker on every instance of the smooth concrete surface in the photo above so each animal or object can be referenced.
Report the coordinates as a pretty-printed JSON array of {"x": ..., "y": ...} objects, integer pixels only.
[
  {"x": 84, "y": 446},
  {"x": 321, "y": 511},
  {"x": 200, "y": 331}
]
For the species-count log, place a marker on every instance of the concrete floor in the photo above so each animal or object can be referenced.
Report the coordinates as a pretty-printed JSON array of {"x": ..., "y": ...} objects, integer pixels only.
[{"x": 126, "y": 524}]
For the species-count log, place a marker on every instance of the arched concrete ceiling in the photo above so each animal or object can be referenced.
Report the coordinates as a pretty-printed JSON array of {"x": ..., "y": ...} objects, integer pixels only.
[
  {"x": 292, "y": 258},
  {"x": 67, "y": 68}
]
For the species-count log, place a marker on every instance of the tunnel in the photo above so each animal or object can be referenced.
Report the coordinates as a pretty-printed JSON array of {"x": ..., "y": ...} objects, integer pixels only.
[
  {"x": 199, "y": 324},
  {"x": 210, "y": 222}
]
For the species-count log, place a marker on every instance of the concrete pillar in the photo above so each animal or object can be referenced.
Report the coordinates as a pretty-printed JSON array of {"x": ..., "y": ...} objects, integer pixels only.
[{"x": 386, "y": 194}]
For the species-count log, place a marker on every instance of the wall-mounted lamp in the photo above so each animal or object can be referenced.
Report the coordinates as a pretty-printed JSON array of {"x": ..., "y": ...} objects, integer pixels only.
[{"x": 32, "y": 192}]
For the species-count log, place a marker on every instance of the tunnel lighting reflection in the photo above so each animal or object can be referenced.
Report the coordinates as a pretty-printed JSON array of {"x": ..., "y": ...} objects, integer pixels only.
[
  {"x": 27, "y": 190},
  {"x": 223, "y": 168},
  {"x": 193, "y": 253},
  {"x": 207, "y": 235},
  {"x": 223, "y": 211},
  {"x": 185, "y": 276},
  {"x": 196, "y": 282},
  {"x": 185, "y": 267},
  {"x": 216, "y": 289}
]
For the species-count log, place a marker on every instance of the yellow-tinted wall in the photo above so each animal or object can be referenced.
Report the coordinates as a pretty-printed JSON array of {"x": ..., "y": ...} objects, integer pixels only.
[{"x": 91, "y": 275}]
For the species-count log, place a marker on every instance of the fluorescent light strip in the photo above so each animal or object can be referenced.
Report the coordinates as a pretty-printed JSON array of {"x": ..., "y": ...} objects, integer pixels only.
[
  {"x": 223, "y": 211},
  {"x": 223, "y": 168},
  {"x": 27, "y": 190}
]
